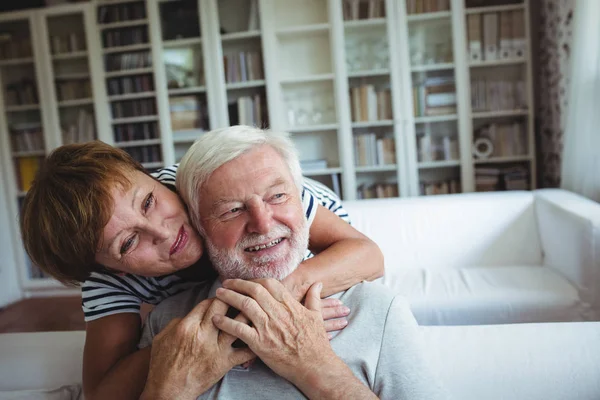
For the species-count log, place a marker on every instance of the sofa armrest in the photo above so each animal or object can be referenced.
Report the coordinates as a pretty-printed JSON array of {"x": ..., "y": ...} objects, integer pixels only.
[{"x": 569, "y": 227}]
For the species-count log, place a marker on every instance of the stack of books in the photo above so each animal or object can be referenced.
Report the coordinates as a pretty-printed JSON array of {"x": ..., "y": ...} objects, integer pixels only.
[
  {"x": 442, "y": 187},
  {"x": 243, "y": 66},
  {"x": 498, "y": 94},
  {"x": 377, "y": 190},
  {"x": 435, "y": 95},
  {"x": 371, "y": 149},
  {"x": 368, "y": 103},
  {"x": 494, "y": 36}
]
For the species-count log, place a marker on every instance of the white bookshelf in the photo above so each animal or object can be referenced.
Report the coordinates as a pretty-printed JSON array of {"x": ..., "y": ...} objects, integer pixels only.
[{"x": 310, "y": 60}]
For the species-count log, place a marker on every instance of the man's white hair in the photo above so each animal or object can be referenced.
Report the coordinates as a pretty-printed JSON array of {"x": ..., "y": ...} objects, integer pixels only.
[{"x": 216, "y": 148}]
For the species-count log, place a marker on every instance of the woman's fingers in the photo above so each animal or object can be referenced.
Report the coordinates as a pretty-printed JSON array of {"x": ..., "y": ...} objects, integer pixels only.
[
  {"x": 235, "y": 328},
  {"x": 225, "y": 339},
  {"x": 247, "y": 305},
  {"x": 334, "y": 312},
  {"x": 333, "y": 325}
]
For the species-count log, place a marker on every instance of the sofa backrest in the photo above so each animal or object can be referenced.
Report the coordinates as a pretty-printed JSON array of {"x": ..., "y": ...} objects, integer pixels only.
[{"x": 451, "y": 231}]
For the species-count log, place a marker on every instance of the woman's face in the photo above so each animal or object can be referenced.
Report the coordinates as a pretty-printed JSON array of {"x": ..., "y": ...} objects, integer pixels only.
[{"x": 149, "y": 233}]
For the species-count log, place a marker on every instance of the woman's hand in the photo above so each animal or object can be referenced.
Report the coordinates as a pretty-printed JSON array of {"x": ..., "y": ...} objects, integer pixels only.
[
  {"x": 332, "y": 310},
  {"x": 190, "y": 355},
  {"x": 288, "y": 337}
]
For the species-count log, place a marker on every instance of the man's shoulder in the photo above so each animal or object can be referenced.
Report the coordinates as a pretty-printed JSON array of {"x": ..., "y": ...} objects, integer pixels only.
[
  {"x": 368, "y": 293},
  {"x": 177, "y": 306}
]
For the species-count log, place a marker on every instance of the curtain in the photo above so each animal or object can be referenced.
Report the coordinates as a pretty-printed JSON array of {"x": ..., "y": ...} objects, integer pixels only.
[
  {"x": 553, "y": 51},
  {"x": 581, "y": 153}
]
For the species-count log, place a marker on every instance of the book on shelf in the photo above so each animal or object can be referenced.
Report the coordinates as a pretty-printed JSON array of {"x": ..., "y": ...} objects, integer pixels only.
[
  {"x": 81, "y": 129},
  {"x": 377, "y": 190},
  {"x": 26, "y": 169},
  {"x": 368, "y": 103},
  {"x": 133, "y": 108},
  {"x": 434, "y": 96},
  {"x": 23, "y": 92},
  {"x": 436, "y": 148},
  {"x": 27, "y": 137},
  {"x": 111, "y": 13},
  {"x": 496, "y": 35},
  {"x": 426, "y": 6},
  {"x": 498, "y": 94},
  {"x": 125, "y": 36},
  {"x": 129, "y": 60},
  {"x": 249, "y": 110},
  {"x": 451, "y": 186},
  {"x": 145, "y": 154},
  {"x": 243, "y": 66},
  {"x": 73, "y": 89},
  {"x": 134, "y": 132},
  {"x": 130, "y": 84},
  {"x": 186, "y": 112},
  {"x": 363, "y": 9},
  {"x": 14, "y": 47},
  {"x": 371, "y": 149},
  {"x": 70, "y": 43},
  {"x": 508, "y": 139},
  {"x": 489, "y": 178}
]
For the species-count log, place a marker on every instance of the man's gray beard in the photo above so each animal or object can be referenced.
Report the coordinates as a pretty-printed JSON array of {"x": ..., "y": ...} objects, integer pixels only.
[{"x": 230, "y": 266}]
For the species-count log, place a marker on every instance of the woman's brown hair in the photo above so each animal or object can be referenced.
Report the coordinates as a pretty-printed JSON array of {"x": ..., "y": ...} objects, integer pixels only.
[{"x": 68, "y": 206}]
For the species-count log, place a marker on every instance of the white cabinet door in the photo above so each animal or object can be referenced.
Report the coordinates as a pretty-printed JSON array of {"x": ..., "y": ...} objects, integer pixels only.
[{"x": 9, "y": 284}]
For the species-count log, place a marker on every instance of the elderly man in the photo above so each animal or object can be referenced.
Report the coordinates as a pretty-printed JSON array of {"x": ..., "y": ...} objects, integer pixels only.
[{"x": 242, "y": 186}]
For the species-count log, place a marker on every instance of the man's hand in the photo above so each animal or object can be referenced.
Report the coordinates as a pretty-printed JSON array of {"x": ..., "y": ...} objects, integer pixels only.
[
  {"x": 288, "y": 337},
  {"x": 191, "y": 354}
]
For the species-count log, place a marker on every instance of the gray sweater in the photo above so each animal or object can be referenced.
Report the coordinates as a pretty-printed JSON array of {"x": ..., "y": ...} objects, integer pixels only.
[{"x": 381, "y": 346}]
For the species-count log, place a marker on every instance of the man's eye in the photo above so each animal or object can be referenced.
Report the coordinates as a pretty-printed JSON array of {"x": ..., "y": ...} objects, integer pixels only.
[
  {"x": 149, "y": 201},
  {"x": 278, "y": 196},
  {"x": 234, "y": 210},
  {"x": 127, "y": 245}
]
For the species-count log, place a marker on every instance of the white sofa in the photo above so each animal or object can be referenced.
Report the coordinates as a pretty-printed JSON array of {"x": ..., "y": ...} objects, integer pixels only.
[
  {"x": 489, "y": 258},
  {"x": 462, "y": 259}
]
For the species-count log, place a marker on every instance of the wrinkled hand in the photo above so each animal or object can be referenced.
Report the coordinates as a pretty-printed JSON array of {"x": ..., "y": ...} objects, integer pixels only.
[
  {"x": 288, "y": 337},
  {"x": 191, "y": 354}
]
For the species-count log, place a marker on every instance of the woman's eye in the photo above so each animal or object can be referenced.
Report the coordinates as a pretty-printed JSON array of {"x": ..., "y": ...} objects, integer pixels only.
[
  {"x": 127, "y": 245},
  {"x": 149, "y": 201}
]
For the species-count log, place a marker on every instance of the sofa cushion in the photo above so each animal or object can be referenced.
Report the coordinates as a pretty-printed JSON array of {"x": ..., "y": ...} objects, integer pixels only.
[{"x": 489, "y": 295}]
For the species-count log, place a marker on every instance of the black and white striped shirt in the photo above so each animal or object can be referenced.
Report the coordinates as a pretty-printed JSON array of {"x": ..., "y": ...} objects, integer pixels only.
[{"x": 106, "y": 294}]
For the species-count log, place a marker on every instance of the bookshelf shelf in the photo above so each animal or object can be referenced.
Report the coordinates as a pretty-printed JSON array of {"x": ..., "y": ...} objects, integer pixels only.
[
  {"x": 495, "y": 63},
  {"x": 313, "y": 128},
  {"x": 132, "y": 120},
  {"x": 22, "y": 108},
  {"x": 432, "y": 67},
  {"x": 240, "y": 35},
  {"x": 131, "y": 96},
  {"x": 74, "y": 76},
  {"x": 500, "y": 114},
  {"x": 126, "y": 72},
  {"x": 125, "y": 49},
  {"x": 16, "y": 61},
  {"x": 188, "y": 90},
  {"x": 124, "y": 24},
  {"x": 32, "y": 153},
  {"x": 303, "y": 29},
  {"x": 372, "y": 124},
  {"x": 113, "y": 2},
  {"x": 371, "y": 22},
  {"x": 364, "y": 74},
  {"x": 75, "y": 103},
  {"x": 428, "y": 16},
  {"x": 376, "y": 168},
  {"x": 324, "y": 171},
  {"x": 245, "y": 85},
  {"x": 308, "y": 79},
  {"x": 492, "y": 9},
  {"x": 194, "y": 41},
  {"x": 500, "y": 160},
  {"x": 70, "y": 56},
  {"x": 439, "y": 164},
  {"x": 136, "y": 143},
  {"x": 436, "y": 118}
]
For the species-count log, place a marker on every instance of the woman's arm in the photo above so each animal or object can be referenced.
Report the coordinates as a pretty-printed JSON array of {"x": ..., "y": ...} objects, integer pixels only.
[
  {"x": 112, "y": 366},
  {"x": 343, "y": 257}
]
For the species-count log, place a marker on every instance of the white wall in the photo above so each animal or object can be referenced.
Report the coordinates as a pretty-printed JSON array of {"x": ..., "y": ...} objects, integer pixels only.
[{"x": 9, "y": 283}]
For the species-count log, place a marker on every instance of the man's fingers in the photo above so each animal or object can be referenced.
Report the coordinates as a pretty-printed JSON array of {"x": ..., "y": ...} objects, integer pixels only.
[
  {"x": 334, "y": 312},
  {"x": 217, "y": 307},
  {"x": 225, "y": 339},
  {"x": 255, "y": 290},
  {"x": 247, "y": 305},
  {"x": 198, "y": 311},
  {"x": 333, "y": 325},
  {"x": 313, "y": 297},
  {"x": 235, "y": 328},
  {"x": 240, "y": 356}
]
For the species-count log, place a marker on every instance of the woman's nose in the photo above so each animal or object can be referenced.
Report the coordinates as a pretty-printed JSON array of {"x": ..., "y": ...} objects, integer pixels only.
[{"x": 160, "y": 232}]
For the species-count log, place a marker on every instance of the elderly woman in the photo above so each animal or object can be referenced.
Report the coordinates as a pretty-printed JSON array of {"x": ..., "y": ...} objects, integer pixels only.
[{"x": 95, "y": 216}]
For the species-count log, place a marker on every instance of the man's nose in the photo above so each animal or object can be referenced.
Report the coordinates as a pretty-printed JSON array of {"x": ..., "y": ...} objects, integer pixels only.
[{"x": 261, "y": 218}]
